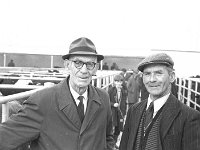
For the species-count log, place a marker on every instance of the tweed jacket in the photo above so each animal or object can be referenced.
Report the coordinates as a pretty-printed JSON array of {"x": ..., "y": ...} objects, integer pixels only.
[
  {"x": 50, "y": 120},
  {"x": 179, "y": 126}
]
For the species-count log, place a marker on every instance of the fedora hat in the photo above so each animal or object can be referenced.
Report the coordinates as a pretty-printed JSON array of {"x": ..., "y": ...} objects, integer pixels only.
[
  {"x": 83, "y": 46},
  {"x": 159, "y": 58}
]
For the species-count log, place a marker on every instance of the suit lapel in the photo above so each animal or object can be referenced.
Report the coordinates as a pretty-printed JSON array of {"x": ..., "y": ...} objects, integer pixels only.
[
  {"x": 94, "y": 103},
  {"x": 67, "y": 105},
  {"x": 137, "y": 117},
  {"x": 170, "y": 111}
]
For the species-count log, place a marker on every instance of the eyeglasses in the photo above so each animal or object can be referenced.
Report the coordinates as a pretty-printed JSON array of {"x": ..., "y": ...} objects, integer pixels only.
[{"x": 79, "y": 64}]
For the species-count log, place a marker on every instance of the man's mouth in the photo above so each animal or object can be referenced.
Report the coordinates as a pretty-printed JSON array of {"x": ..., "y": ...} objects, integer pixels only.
[
  {"x": 84, "y": 78},
  {"x": 153, "y": 86}
]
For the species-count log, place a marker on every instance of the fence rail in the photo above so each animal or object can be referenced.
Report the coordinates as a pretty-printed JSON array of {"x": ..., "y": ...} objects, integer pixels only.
[
  {"x": 188, "y": 90},
  {"x": 103, "y": 80}
]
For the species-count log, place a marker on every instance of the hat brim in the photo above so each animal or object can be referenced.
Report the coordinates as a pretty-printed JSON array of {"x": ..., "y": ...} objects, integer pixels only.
[
  {"x": 142, "y": 66},
  {"x": 99, "y": 57}
]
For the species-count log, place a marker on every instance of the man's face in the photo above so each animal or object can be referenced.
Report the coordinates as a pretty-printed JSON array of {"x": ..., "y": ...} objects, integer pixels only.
[
  {"x": 157, "y": 80},
  {"x": 81, "y": 77}
]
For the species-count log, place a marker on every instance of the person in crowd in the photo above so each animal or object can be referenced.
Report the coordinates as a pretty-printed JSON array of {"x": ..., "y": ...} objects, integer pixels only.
[
  {"x": 133, "y": 87},
  {"x": 124, "y": 83},
  {"x": 123, "y": 72},
  {"x": 105, "y": 66},
  {"x": 71, "y": 115},
  {"x": 11, "y": 63},
  {"x": 160, "y": 122},
  {"x": 118, "y": 105},
  {"x": 114, "y": 66},
  {"x": 144, "y": 94},
  {"x": 128, "y": 74}
]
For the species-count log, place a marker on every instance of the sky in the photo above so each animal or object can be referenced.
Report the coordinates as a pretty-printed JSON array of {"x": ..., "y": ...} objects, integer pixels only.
[{"x": 117, "y": 27}]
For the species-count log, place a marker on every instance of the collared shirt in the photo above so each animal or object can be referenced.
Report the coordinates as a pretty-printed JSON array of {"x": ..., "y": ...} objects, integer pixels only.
[
  {"x": 158, "y": 103},
  {"x": 76, "y": 95}
]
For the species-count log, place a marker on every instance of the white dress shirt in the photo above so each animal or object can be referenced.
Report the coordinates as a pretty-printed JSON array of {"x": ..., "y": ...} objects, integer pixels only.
[
  {"x": 158, "y": 103},
  {"x": 76, "y": 95}
]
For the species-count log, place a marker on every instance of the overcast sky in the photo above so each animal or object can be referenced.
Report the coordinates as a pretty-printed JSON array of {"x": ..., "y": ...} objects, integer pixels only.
[{"x": 117, "y": 27}]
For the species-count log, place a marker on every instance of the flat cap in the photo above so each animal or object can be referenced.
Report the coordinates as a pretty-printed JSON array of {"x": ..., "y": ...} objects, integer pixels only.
[
  {"x": 160, "y": 58},
  {"x": 83, "y": 46}
]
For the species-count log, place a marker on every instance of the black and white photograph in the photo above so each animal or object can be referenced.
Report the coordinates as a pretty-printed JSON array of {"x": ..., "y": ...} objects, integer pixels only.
[{"x": 99, "y": 75}]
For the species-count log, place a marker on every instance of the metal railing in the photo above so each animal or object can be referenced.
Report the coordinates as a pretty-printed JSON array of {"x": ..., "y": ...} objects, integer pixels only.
[
  {"x": 189, "y": 91},
  {"x": 103, "y": 80}
]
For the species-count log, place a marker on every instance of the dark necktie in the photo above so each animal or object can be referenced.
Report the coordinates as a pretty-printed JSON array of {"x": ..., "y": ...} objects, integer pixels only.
[
  {"x": 149, "y": 115},
  {"x": 80, "y": 108}
]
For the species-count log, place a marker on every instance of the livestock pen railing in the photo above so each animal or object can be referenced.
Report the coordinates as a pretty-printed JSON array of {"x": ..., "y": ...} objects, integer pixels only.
[
  {"x": 103, "y": 80},
  {"x": 189, "y": 91}
]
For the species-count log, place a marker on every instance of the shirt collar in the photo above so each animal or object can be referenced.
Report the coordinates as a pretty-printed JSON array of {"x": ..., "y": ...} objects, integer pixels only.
[
  {"x": 158, "y": 103},
  {"x": 76, "y": 95}
]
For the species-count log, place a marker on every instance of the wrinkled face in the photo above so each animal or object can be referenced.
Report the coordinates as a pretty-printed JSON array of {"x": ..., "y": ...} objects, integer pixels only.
[
  {"x": 79, "y": 67},
  {"x": 157, "y": 80}
]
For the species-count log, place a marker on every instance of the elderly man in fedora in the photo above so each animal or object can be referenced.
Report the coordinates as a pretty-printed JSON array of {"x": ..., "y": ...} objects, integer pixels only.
[
  {"x": 72, "y": 115},
  {"x": 161, "y": 122}
]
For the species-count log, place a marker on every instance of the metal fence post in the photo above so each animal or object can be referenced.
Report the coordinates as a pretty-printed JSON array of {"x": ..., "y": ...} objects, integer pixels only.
[
  {"x": 5, "y": 112},
  {"x": 189, "y": 92}
]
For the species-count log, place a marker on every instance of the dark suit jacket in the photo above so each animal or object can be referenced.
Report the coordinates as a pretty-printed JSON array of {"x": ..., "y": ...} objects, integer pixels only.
[
  {"x": 50, "y": 120},
  {"x": 179, "y": 126}
]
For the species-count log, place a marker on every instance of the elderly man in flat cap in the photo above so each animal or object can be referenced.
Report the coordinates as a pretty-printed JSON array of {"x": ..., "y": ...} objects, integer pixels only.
[
  {"x": 160, "y": 122},
  {"x": 72, "y": 115}
]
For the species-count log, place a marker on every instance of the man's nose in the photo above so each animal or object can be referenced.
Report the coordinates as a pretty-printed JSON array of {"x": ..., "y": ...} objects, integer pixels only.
[
  {"x": 152, "y": 77},
  {"x": 84, "y": 68}
]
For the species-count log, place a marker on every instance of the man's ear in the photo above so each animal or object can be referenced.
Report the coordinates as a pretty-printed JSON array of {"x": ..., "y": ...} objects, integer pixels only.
[{"x": 172, "y": 76}]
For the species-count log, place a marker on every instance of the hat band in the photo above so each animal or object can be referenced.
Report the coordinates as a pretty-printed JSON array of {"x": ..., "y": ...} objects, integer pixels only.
[{"x": 82, "y": 49}]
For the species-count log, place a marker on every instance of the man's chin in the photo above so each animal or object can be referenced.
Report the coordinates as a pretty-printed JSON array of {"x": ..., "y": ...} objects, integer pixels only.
[
  {"x": 83, "y": 84},
  {"x": 153, "y": 92}
]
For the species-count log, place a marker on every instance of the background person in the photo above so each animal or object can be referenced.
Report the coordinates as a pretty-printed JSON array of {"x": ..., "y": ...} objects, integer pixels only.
[
  {"x": 11, "y": 63},
  {"x": 71, "y": 115},
  {"x": 133, "y": 88},
  {"x": 128, "y": 75},
  {"x": 161, "y": 121},
  {"x": 105, "y": 66},
  {"x": 144, "y": 94},
  {"x": 118, "y": 105},
  {"x": 114, "y": 66}
]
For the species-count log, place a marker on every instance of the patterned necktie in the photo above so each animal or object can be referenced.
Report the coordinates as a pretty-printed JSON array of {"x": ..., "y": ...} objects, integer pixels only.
[
  {"x": 149, "y": 115},
  {"x": 80, "y": 108}
]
